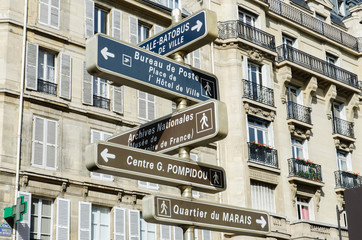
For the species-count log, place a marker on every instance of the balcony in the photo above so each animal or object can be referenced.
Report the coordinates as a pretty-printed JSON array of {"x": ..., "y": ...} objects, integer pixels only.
[
  {"x": 346, "y": 179},
  {"x": 314, "y": 24},
  {"x": 263, "y": 154},
  {"x": 47, "y": 87},
  {"x": 343, "y": 127},
  {"x": 304, "y": 169},
  {"x": 299, "y": 112},
  {"x": 101, "y": 102},
  {"x": 239, "y": 29},
  {"x": 306, "y": 60},
  {"x": 258, "y": 93}
]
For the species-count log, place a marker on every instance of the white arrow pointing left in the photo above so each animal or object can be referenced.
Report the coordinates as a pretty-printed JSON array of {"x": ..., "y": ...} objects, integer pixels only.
[
  {"x": 197, "y": 27},
  {"x": 261, "y": 221},
  {"x": 105, "y": 155},
  {"x": 106, "y": 54}
]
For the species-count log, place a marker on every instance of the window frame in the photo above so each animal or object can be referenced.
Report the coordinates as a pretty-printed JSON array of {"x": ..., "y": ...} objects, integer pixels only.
[
  {"x": 103, "y": 136},
  {"x": 45, "y": 65},
  {"x": 307, "y": 203},
  {"x": 49, "y": 16},
  {"x": 144, "y": 229},
  {"x": 100, "y": 222},
  {"x": 263, "y": 126},
  {"x": 98, "y": 20},
  {"x": 147, "y": 102},
  {"x": 40, "y": 217}
]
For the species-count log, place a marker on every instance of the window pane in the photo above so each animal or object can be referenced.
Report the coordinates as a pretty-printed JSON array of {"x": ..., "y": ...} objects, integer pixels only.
[
  {"x": 260, "y": 136},
  {"x": 45, "y": 225},
  {"x": 251, "y": 134}
]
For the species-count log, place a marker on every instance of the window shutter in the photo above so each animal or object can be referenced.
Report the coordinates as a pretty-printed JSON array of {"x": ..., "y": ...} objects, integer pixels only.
[
  {"x": 134, "y": 225},
  {"x": 133, "y": 30},
  {"x": 151, "y": 107},
  {"x": 165, "y": 232},
  {"x": 116, "y": 23},
  {"x": 245, "y": 68},
  {"x": 179, "y": 234},
  {"x": 118, "y": 99},
  {"x": 157, "y": 29},
  {"x": 206, "y": 235},
  {"x": 23, "y": 227},
  {"x": 95, "y": 136},
  {"x": 85, "y": 214},
  {"x": 32, "y": 66},
  {"x": 142, "y": 105},
  {"x": 54, "y": 13},
  {"x": 119, "y": 223},
  {"x": 51, "y": 144},
  {"x": 87, "y": 87},
  {"x": 265, "y": 69},
  {"x": 43, "y": 12},
  {"x": 89, "y": 18},
  {"x": 65, "y": 82},
  {"x": 63, "y": 218},
  {"x": 38, "y": 141},
  {"x": 196, "y": 58}
]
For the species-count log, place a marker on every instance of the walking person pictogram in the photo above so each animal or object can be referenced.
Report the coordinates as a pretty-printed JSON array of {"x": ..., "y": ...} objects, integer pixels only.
[
  {"x": 204, "y": 121},
  {"x": 216, "y": 178},
  {"x": 208, "y": 89},
  {"x": 163, "y": 208}
]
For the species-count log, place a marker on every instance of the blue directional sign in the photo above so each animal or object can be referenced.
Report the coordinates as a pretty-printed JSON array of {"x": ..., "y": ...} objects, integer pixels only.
[
  {"x": 139, "y": 68},
  {"x": 188, "y": 35}
]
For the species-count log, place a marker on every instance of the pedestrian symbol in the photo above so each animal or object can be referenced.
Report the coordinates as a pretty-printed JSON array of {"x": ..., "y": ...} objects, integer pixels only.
[
  {"x": 209, "y": 88},
  {"x": 204, "y": 121},
  {"x": 164, "y": 206},
  {"x": 216, "y": 177}
]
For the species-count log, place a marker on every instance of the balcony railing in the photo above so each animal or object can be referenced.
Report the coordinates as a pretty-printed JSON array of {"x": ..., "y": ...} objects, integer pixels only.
[
  {"x": 313, "y": 24},
  {"x": 299, "y": 112},
  {"x": 47, "y": 87},
  {"x": 301, "y": 58},
  {"x": 263, "y": 154},
  {"x": 360, "y": 87},
  {"x": 239, "y": 29},
  {"x": 101, "y": 102},
  {"x": 305, "y": 169},
  {"x": 258, "y": 93},
  {"x": 343, "y": 127},
  {"x": 347, "y": 179}
]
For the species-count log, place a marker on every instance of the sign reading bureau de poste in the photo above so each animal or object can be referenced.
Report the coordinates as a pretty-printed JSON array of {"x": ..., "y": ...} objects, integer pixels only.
[
  {"x": 190, "y": 34},
  {"x": 129, "y": 65},
  {"x": 194, "y": 126},
  {"x": 124, "y": 161},
  {"x": 217, "y": 217}
]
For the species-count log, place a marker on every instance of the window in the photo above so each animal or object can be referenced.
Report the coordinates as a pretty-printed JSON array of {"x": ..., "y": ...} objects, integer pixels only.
[
  {"x": 304, "y": 208},
  {"x": 254, "y": 73},
  {"x": 338, "y": 110},
  {"x": 247, "y": 17},
  {"x": 196, "y": 58},
  {"x": 289, "y": 41},
  {"x": 100, "y": 93},
  {"x": 146, "y": 106},
  {"x": 41, "y": 219},
  {"x": 100, "y": 136},
  {"x": 49, "y": 13},
  {"x": 258, "y": 130},
  {"x": 46, "y": 72},
  {"x": 100, "y": 223},
  {"x": 343, "y": 160},
  {"x": 297, "y": 148},
  {"x": 148, "y": 230},
  {"x": 100, "y": 21},
  {"x": 178, "y": 233},
  {"x": 44, "y": 143},
  {"x": 165, "y": 232},
  {"x": 143, "y": 31},
  {"x": 262, "y": 196},
  {"x": 170, "y": 3}
]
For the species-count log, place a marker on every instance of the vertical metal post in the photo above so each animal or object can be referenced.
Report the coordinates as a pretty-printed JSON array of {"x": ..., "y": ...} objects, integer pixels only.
[{"x": 339, "y": 222}]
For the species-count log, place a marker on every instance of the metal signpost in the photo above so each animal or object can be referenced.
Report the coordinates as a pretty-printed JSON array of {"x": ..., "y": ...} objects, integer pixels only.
[
  {"x": 144, "y": 165},
  {"x": 193, "y": 126},
  {"x": 217, "y": 217},
  {"x": 136, "y": 67},
  {"x": 188, "y": 35}
]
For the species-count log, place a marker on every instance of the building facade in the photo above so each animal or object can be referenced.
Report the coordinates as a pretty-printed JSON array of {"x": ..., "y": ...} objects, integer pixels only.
[{"x": 288, "y": 72}]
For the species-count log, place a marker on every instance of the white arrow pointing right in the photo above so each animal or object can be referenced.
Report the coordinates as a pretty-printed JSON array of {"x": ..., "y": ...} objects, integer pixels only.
[
  {"x": 106, "y": 156},
  {"x": 261, "y": 221},
  {"x": 198, "y": 26}
]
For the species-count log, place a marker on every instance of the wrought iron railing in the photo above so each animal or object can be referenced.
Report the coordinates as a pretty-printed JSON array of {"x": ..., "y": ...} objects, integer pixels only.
[
  {"x": 299, "y": 112},
  {"x": 301, "y": 58},
  {"x": 346, "y": 179},
  {"x": 101, "y": 102},
  {"x": 258, "y": 93},
  {"x": 262, "y": 154},
  {"x": 343, "y": 127},
  {"x": 313, "y": 24},
  {"x": 360, "y": 87},
  {"x": 239, "y": 29},
  {"x": 304, "y": 169},
  {"x": 47, "y": 87}
]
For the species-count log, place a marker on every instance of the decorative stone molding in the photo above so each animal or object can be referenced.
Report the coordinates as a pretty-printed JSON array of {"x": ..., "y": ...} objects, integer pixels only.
[
  {"x": 284, "y": 75},
  {"x": 330, "y": 97},
  {"x": 298, "y": 132},
  {"x": 340, "y": 200},
  {"x": 310, "y": 90},
  {"x": 353, "y": 105},
  {"x": 293, "y": 191},
  {"x": 120, "y": 196},
  {"x": 255, "y": 55},
  {"x": 85, "y": 191},
  {"x": 63, "y": 187},
  {"x": 259, "y": 112},
  {"x": 342, "y": 145},
  {"x": 317, "y": 199},
  {"x": 134, "y": 199},
  {"x": 24, "y": 181}
]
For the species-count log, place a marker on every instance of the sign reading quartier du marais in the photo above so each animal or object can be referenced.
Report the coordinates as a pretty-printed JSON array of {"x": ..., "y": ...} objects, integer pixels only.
[
  {"x": 206, "y": 215},
  {"x": 194, "y": 126},
  {"x": 124, "y": 161},
  {"x": 129, "y": 65}
]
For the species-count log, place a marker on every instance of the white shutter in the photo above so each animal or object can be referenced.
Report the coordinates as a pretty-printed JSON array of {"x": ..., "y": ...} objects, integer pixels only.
[
  {"x": 65, "y": 82},
  {"x": 89, "y": 18},
  {"x": 134, "y": 225},
  {"x": 23, "y": 227},
  {"x": 165, "y": 232},
  {"x": 178, "y": 233},
  {"x": 87, "y": 89},
  {"x": 95, "y": 136},
  {"x": 116, "y": 23},
  {"x": 118, "y": 99},
  {"x": 85, "y": 220},
  {"x": 133, "y": 30},
  {"x": 151, "y": 108},
  {"x": 265, "y": 71},
  {"x": 44, "y": 12},
  {"x": 142, "y": 104},
  {"x": 196, "y": 58},
  {"x": 54, "y": 13},
  {"x": 206, "y": 235},
  {"x": 63, "y": 219},
  {"x": 119, "y": 223},
  {"x": 38, "y": 141},
  {"x": 31, "y": 75},
  {"x": 51, "y": 144},
  {"x": 157, "y": 29},
  {"x": 245, "y": 67}
]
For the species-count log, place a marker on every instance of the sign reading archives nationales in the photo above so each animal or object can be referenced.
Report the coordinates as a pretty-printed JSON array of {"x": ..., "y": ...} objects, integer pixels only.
[
  {"x": 224, "y": 218},
  {"x": 139, "y": 68},
  {"x": 194, "y": 126},
  {"x": 119, "y": 160}
]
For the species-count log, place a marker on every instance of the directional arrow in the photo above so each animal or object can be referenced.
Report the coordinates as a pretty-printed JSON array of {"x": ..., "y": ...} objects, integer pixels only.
[
  {"x": 197, "y": 27},
  {"x": 261, "y": 221},
  {"x": 105, "y": 155},
  {"x": 106, "y": 54}
]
